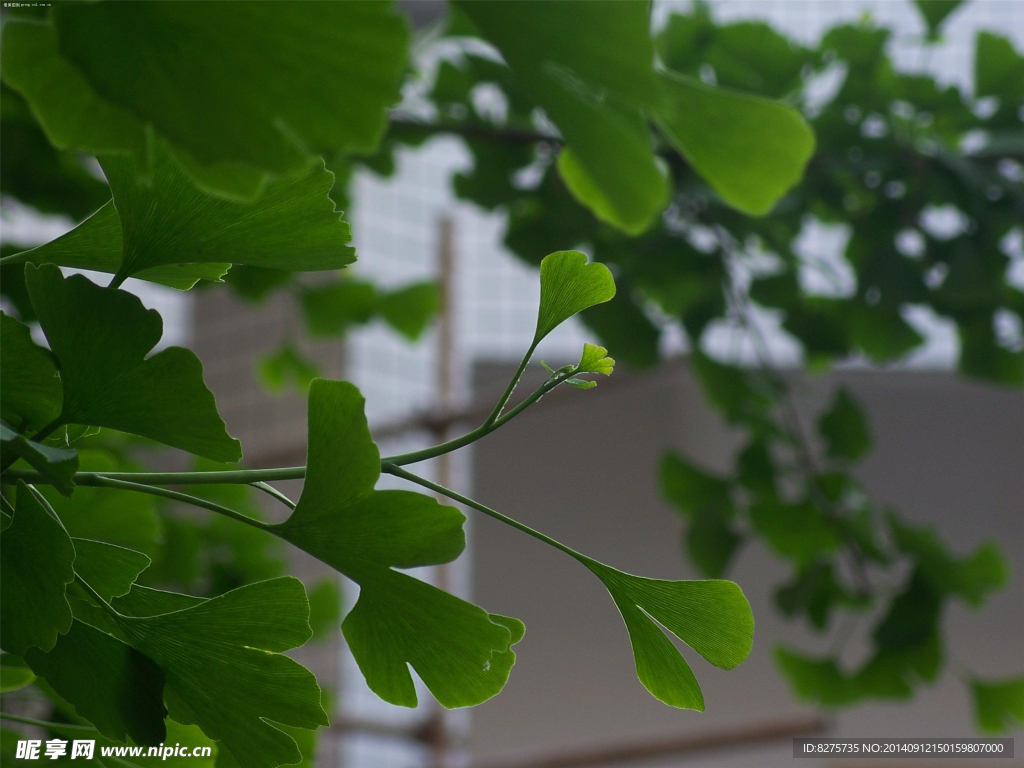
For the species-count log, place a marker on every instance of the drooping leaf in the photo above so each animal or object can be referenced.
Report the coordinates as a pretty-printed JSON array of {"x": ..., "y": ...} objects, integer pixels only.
[
  {"x": 14, "y": 673},
  {"x": 259, "y": 85},
  {"x": 454, "y": 646},
  {"x": 224, "y": 671},
  {"x": 36, "y": 556},
  {"x": 159, "y": 220},
  {"x": 568, "y": 285},
  {"x": 30, "y": 394},
  {"x": 57, "y": 465},
  {"x": 110, "y": 684},
  {"x": 592, "y": 91},
  {"x": 998, "y": 704},
  {"x": 845, "y": 428},
  {"x": 713, "y": 617},
  {"x": 100, "y": 337},
  {"x": 109, "y": 569},
  {"x": 751, "y": 150}
]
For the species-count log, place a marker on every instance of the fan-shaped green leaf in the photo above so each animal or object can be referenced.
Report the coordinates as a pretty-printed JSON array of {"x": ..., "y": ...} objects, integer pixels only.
[
  {"x": 460, "y": 653},
  {"x": 30, "y": 394},
  {"x": 568, "y": 284},
  {"x": 109, "y": 569},
  {"x": 101, "y": 337},
  {"x": 260, "y": 84},
  {"x": 110, "y": 684},
  {"x": 750, "y": 149},
  {"x": 713, "y": 617},
  {"x": 224, "y": 671},
  {"x": 36, "y": 556}
]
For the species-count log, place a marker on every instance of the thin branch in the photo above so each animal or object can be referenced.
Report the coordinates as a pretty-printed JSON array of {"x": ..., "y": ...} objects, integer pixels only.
[
  {"x": 109, "y": 482},
  {"x": 272, "y": 491}
]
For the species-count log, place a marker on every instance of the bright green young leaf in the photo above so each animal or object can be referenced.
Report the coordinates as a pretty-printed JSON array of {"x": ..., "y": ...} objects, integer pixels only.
[
  {"x": 109, "y": 569},
  {"x": 998, "y": 704},
  {"x": 454, "y": 646},
  {"x": 568, "y": 285},
  {"x": 36, "y": 556},
  {"x": 595, "y": 360},
  {"x": 593, "y": 91},
  {"x": 110, "y": 684},
  {"x": 30, "y": 394},
  {"x": 14, "y": 673},
  {"x": 408, "y": 310},
  {"x": 713, "y": 617},
  {"x": 57, "y": 465},
  {"x": 261, "y": 85},
  {"x": 750, "y": 149},
  {"x": 224, "y": 671},
  {"x": 844, "y": 428},
  {"x": 97, "y": 244},
  {"x": 101, "y": 337}
]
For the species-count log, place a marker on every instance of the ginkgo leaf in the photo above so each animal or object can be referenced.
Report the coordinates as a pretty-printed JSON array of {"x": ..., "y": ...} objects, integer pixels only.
[
  {"x": 593, "y": 93},
  {"x": 568, "y": 285},
  {"x": 595, "y": 360},
  {"x": 998, "y": 704},
  {"x": 163, "y": 228},
  {"x": 36, "y": 556},
  {"x": 101, "y": 337},
  {"x": 455, "y": 647},
  {"x": 844, "y": 428},
  {"x": 110, "y": 684},
  {"x": 711, "y": 616},
  {"x": 57, "y": 465},
  {"x": 409, "y": 309},
  {"x": 109, "y": 569},
  {"x": 30, "y": 394},
  {"x": 97, "y": 244},
  {"x": 337, "y": 67},
  {"x": 749, "y": 148},
  {"x": 224, "y": 670}
]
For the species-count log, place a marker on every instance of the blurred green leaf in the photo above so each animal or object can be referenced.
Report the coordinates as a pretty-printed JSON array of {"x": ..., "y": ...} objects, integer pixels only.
[
  {"x": 935, "y": 12},
  {"x": 409, "y": 310},
  {"x": 287, "y": 366},
  {"x": 14, "y": 673},
  {"x": 324, "y": 608},
  {"x": 844, "y": 428},
  {"x": 998, "y": 704}
]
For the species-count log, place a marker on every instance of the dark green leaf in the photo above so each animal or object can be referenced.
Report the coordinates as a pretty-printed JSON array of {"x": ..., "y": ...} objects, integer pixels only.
[
  {"x": 57, "y": 465},
  {"x": 330, "y": 310},
  {"x": 211, "y": 88},
  {"x": 711, "y": 543},
  {"x": 324, "y": 608},
  {"x": 224, "y": 671},
  {"x": 799, "y": 532},
  {"x": 934, "y": 13},
  {"x": 625, "y": 328},
  {"x": 998, "y": 68},
  {"x": 109, "y": 569},
  {"x": 30, "y": 393},
  {"x": 101, "y": 337},
  {"x": 844, "y": 428},
  {"x": 454, "y": 646},
  {"x": 36, "y": 556},
  {"x": 110, "y": 684},
  {"x": 691, "y": 490}
]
